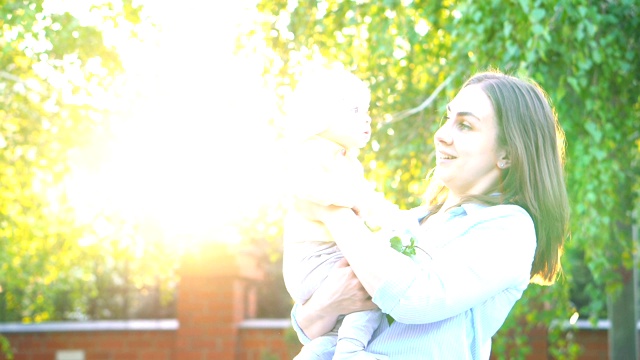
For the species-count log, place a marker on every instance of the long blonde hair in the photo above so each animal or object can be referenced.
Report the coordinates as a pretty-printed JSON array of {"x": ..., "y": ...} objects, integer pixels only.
[{"x": 534, "y": 141}]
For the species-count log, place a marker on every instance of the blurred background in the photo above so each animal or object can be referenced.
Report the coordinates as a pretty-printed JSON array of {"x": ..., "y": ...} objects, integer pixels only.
[{"x": 132, "y": 132}]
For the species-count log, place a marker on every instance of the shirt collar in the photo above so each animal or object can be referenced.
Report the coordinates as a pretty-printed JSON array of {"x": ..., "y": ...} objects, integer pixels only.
[{"x": 469, "y": 208}]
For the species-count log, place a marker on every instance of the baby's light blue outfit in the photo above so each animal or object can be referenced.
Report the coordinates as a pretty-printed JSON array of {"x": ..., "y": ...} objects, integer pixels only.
[{"x": 475, "y": 265}]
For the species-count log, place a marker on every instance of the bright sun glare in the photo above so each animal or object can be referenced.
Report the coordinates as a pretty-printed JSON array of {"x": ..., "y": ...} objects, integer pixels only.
[{"x": 192, "y": 145}]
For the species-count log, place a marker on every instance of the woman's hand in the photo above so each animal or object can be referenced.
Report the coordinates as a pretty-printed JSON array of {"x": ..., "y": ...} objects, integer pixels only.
[{"x": 341, "y": 293}]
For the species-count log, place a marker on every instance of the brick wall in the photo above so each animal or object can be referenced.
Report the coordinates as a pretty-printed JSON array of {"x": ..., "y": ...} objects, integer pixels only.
[
  {"x": 267, "y": 339},
  {"x": 215, "y": 320},
  {"x": 96, "y": 345},
  {"x": 594, "y": 344}
]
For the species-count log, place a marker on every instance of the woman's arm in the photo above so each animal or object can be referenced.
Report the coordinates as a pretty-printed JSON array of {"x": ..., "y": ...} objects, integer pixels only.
[
  {"x": 341, "y": 293},
  {"x": 372, "y": 260},
  {"x": 483, "y": 254},
  {"x": 488, "y": 252}
]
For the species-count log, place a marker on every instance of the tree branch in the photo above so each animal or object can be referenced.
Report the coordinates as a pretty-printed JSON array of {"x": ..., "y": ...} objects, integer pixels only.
[
  {"x": 8, "y": 76},
  {"x": 406, "y": 113}
]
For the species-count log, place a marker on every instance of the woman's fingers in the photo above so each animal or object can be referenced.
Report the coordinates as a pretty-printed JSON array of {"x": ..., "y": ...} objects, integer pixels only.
[
  {"x": 343, "y": 289},
  {"x": 342, "y": 263}
]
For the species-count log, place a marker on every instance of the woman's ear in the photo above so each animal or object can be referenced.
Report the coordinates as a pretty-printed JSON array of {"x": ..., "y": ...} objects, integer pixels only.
[
  {"x": 504, "y": 164},
  {"x": 504, "y": 161}
]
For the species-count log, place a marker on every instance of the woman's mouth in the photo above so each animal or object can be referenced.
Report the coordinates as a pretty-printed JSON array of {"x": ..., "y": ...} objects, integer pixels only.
[{"x": 444, "y": 156}]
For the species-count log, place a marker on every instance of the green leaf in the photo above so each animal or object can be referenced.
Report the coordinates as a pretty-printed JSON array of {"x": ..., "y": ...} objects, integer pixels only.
[
  {"x": 396, "y": 243},
  {"x": 594, "y": 131},
  {"x": 537, "y": 15},
  {"x": 537, "y": 29}
]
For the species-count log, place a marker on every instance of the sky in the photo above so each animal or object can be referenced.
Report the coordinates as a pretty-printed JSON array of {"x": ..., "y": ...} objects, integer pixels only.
[{"x": 192, "y": 149}]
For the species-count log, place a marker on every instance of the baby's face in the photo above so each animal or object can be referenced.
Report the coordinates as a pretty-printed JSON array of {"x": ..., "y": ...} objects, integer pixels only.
[{"x": 351, "y": 125}]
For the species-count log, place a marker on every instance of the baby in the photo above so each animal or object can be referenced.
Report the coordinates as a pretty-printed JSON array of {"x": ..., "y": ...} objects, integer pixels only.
[{"x": 329, "y": 123}]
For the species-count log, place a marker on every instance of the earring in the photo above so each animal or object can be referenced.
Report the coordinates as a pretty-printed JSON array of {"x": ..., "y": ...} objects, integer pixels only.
[{"x": 501, "y": 165}]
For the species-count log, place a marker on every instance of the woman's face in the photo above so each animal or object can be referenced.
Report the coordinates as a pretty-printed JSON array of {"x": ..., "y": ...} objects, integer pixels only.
[{"x": 467, "y": 152}]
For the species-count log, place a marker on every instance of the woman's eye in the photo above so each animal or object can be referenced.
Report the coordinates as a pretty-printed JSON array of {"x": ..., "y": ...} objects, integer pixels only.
[{"x": 464, "y": 126}]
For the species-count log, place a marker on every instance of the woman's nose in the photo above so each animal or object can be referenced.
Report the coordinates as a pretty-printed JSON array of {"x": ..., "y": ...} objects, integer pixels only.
[{"x": 443, "y": 135}]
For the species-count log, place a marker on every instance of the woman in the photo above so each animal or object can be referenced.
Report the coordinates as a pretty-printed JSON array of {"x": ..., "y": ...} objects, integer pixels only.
[{"x": 497, "y": 219}]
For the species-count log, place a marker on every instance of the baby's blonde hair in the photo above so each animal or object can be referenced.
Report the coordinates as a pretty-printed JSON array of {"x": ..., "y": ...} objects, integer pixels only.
[{"x": 318, "y": 96}]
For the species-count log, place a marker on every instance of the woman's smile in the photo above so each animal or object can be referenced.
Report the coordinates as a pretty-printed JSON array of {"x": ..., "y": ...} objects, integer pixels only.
[{"x": 443, "y": 156}]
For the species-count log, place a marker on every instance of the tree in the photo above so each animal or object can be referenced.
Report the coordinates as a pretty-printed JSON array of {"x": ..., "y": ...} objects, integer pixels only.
[
  {"x": 584, "y": 54},
  {"x": 56, "y": 72}
]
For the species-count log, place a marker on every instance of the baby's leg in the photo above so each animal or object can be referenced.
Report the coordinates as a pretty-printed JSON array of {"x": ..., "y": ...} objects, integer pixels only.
[
  {"x": 354, "y": 335},
  {"x": 321, "y": 348}
]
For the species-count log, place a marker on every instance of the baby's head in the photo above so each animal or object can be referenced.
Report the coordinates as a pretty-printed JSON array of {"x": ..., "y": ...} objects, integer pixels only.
[{"x": 332, "y": 103}]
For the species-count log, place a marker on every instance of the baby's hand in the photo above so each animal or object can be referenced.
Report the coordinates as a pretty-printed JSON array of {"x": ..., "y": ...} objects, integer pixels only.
[
  {"x": 359, "y": 207},
  {"x": 356, "y": 210}
]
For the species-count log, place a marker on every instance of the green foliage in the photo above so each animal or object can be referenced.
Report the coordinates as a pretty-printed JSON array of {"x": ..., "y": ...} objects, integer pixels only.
[
  {"x": 5, "y": 348},
  {"x": 263, "y": 230},
  {"x": 583, "y": 53},
  {"x": 53, "y": 69},
  {"x": 409, "y": 250},
  {"x": 38, "y": 130},
  {"x": 125, "y": 277}
]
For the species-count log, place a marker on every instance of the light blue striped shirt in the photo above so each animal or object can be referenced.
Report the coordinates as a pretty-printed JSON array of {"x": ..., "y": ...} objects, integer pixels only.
[{"x": 478, "y": 264}]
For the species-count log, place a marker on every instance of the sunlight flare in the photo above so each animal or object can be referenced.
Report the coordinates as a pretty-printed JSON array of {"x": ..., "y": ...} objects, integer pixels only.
[{"x": 191, "y": 149}]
